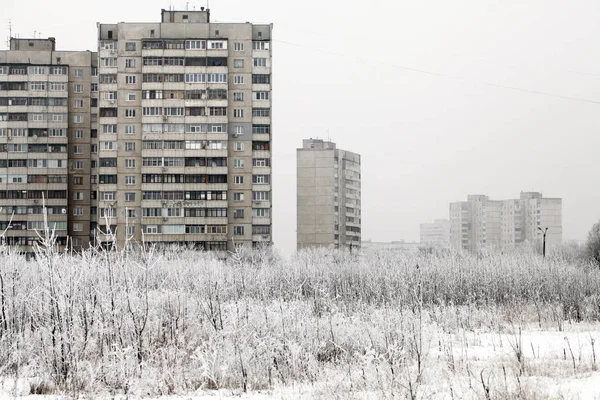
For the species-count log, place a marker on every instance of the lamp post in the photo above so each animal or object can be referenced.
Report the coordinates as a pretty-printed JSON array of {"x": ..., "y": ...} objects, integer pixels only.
[{"x": 544, "y": 231}]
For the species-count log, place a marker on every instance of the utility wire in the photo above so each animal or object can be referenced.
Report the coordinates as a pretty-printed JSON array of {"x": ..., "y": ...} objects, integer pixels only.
[{"x": 427, "y": 72}]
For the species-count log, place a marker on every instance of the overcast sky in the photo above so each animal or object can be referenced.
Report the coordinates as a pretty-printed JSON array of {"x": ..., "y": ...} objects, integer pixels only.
[{"x": 421, "y": 89}]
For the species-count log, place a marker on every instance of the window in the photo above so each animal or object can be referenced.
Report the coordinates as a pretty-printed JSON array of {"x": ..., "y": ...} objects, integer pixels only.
[
  {"x": 129, "y": 63},
  {"x": 131, "y": 213},
  {"x": 130, "y": 230},
  {"x": 130, "y": 180},
  {"x": 78, "y": 134},
  {"x": 78, "y": 119},
  {"x": 77, "y": 103},
  {"x": 129, "y": 113},
  {"x": 129, "y": 197},
  {"x": 77, "y": 164},
  {"x": 78, "y": 72},
  {"x": 108, "y": 196},
  {"x": 109, "y": 128},
  {"x": 77, "y": 226},
  {"x": 77, "y": 211},
  {"x": 260, "y": 95},
  {"x": 195, "y": 44},
  {"x": 238, "y": 96},
  {"x": 261, "y": 212},
  {"x": 108, "y": 146},
  {"x": 260, "y": 179},
  {"x": 94, "y": 87},
  {"x": 37, "y": 85},
  {"x": 129, "y": 146},
  {"x": 238, "y": 163},
  {"x": 238, "y": 230},
  {"x": 130, "y": 79},
  {"x": 261, "y": 79},
  {"x": 129, "y": 46},
  {"x": 77, "y": 195},
  {"x": 238, "y": 180},
  {"x": 239, "y": 130},
  {"x": 261, "y": 196},
  {"x": 77, "y": 149},
  {"x": 217, "y": 44},
  {"x": 108, "y": 61},
  {"x": 238, "y": 80},
  {"x": 261, "y": 129},
  {"x": 238, "y": 63},
  {"x": 94, "y": 148},
  {"x": 55, "y": 70},
  {"x": 260, "y": 45},
  {"x": 238, "y": 146},
  {"x": 260, "y": 62},
  {"x": 129, "y": 163},
  {"x": 238, "y": 196},
  {"x": 261, "y": 112},
  {"x": 108, "y": 212},
  {"x": 238, "y": 113},
  {"x": 130, "y": 96},
  {"x": 237, "y": 46},
  {"x": 150, "y": 229}
]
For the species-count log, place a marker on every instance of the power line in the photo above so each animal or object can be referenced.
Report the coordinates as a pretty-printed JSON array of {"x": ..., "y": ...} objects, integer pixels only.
[{"x": 434, "y": 73}]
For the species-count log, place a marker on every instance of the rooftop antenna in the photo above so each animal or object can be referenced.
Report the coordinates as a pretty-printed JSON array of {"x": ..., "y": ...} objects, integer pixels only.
[
  {"x": 328, "y": 137},
  {"x": 9, "y": 34},
  {"x": 187, "y": 6}
]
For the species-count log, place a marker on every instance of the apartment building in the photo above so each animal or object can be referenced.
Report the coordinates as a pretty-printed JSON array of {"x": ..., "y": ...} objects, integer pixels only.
[
  {"x": 480, "y": 223},
  {"x": 436, "y": 233},
  {"x": 47, "y": 119},
  {"x": 184, "y": 135},
  {"x": 328, "y": 196}
]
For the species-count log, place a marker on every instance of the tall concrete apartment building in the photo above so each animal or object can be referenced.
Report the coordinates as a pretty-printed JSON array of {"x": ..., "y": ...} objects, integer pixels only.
[
  {"x": 328, "y": 196},
  {"x": 162, "y": 136},
  {"x": 184, "y": 136},
  {"x": 436, "y": 233},
  {"x": 47, "y": 120},
  {"x": 480, "y": 223}
]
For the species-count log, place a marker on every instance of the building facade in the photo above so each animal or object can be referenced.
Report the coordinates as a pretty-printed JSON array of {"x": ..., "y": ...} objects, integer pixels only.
[
  {"x": 480, "y": 223},
  {"x": 161, "y": 137},
  {"x": 47, "y": 119},
  {"x": 328, "y": 196},
  {"x": 435, "y": 234},
  {"x": 184, "y": 141}
]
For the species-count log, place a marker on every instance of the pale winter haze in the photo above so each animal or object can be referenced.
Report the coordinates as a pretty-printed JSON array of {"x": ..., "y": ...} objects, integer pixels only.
[{"x": 441, "y": 99}]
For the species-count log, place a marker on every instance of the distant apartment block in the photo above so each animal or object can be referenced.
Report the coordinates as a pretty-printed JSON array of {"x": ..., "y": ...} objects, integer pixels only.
[
  {"x": 480, "y": 223},
  {"x": 436, "y": 233},
  {"x": 328, "y": 194},
  {"x": 394, "y": 246}
]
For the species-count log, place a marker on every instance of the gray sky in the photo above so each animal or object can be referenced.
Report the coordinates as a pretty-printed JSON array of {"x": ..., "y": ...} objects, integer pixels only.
[{"x": 425, "y": 139}]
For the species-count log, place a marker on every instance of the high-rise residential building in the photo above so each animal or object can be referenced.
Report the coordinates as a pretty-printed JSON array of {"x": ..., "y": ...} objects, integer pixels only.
[
  {"x": 47, "y": 120},
  {"x": 480, "y": 223},
  {"x": 436, "y": 233},
  {"x": 184, "y": 135},
  {"x": 328, "y": 194},
  {"x": 162, "y": 137}
]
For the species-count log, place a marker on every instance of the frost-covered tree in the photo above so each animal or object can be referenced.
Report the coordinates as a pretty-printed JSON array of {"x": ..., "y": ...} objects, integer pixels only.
[{"x": 593, "y": 243}]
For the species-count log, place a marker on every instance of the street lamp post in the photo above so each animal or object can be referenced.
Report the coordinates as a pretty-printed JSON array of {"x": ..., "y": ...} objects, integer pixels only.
[{"x": 544, "y": 231}]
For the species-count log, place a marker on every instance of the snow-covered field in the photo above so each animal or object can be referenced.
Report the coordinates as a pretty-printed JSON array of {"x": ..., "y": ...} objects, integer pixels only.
[{"x": 319, "y": 325}]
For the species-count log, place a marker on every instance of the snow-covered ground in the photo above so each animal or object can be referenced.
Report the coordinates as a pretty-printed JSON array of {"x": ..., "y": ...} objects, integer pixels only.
[{"x": 527, "y": 363}]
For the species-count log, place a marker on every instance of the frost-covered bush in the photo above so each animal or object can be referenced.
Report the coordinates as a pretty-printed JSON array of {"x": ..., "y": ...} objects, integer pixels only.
[{"x": 177, "y": 321}]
